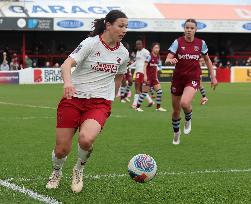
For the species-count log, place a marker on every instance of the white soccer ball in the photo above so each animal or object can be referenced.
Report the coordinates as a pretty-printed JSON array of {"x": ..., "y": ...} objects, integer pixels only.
[{"x": 142, "y": 168}]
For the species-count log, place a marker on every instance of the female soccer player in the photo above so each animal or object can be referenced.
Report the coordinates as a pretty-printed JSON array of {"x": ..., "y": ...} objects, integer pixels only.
[
  {"x": 151, "y": 78},
  {"x": 126, "y": 82},
  {"x": 101, "y": 61},
  {"x": 185, "y": 53},
  {"x": 141, "y": 56}
]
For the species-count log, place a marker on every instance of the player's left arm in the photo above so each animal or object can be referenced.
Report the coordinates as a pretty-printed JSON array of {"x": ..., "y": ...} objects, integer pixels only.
[
  {"x": 209, "y": 64},
  {"x": 120, "y": 74},
  {"x": 118, "y": 80}
]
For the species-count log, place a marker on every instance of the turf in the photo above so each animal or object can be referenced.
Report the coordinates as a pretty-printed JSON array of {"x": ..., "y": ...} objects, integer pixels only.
[{"x": 220, "y": 141}]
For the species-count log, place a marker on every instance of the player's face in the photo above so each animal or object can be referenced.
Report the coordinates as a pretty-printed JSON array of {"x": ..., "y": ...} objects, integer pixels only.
[
  {"x": 118, "y": 29},
  {"x": 139, "y": 45},
  {"x": 190, "y": 29},
  {"x": 156, "y": 49}
]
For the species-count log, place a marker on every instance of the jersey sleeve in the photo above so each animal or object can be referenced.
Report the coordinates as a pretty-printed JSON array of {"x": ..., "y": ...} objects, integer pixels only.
[
  {"x": 174, "y": 47},
  {"x": 148, "y": 58},
  {"x": 82, "y": 51},
  {"x": 123, "y": 67},
  {"x": 204, "y": 49}
]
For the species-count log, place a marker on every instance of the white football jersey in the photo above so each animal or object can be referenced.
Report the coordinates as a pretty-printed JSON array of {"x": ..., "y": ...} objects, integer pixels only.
[
  {"x": 97, "y": 65},
  {"x": 141, "y": 57}
]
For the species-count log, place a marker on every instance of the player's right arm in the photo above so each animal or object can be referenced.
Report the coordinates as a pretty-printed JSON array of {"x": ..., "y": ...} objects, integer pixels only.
[
  {"x": 69, "y": 89},
  {"x": 76, "y": 57},
  {"x": 170, "y": 59}
]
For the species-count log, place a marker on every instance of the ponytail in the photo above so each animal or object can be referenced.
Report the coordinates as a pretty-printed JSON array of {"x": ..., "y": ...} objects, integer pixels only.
[{"x": 99, "y": 27}]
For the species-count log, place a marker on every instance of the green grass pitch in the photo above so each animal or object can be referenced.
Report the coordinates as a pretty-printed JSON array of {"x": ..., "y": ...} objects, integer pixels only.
[{"x": 211, "y": 165}]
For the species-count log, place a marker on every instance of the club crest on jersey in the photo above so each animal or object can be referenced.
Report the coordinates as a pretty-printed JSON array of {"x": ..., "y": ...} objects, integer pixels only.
[
  {"x": 118, "y": 60},
  {"x": 103, "y": 67},
  {"x": 97, "y": 54},
  {"x": 196, "y": 48},
  {"x": 183, "y": 48}
]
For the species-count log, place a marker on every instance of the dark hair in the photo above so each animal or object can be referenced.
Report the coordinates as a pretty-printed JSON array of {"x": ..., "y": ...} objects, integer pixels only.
[
  {"x": 111, "y": 17},
  {"x": 155, "y": 43},
  {"x": 190, "y": 20}
]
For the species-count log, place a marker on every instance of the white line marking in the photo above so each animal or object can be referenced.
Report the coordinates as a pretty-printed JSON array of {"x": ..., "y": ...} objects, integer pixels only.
[
  {"x": 43, "y": 107},
  {"x": 25, "y": 105},
  {"x": 26, "y": 118},
  {"x": 30, "y": 193},
  {"x": 114, "y": 175}
]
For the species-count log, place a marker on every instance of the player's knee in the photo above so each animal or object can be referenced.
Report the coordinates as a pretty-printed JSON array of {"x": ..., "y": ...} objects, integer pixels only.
[
  {"x": 185, "y": 104},
  {"x": 85, "y": 142},
  {"x": 62, "y": 151}
]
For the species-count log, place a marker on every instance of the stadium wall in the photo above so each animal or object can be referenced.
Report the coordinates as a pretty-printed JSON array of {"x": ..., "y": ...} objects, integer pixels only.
[{"x": 53, "y": 75}]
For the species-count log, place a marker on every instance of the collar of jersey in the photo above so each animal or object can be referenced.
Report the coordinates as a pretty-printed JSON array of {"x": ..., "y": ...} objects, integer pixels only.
[{"x": 107, "y": 46}]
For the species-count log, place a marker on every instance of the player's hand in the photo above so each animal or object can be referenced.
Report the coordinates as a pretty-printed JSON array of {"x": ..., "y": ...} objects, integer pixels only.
[
  {"x": 69, "y": 90},
  {"x": 172, "y": 61},
  {"x": 145, "y": 78},
  {"x": 214, "y": 82}
]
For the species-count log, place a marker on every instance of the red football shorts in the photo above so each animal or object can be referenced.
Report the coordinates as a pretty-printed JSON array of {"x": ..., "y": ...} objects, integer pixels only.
[
  {"x": 128, "y": 76},
  {"x": 178, "y": 86},
  {"x": 139, "y": 78},
  {"x": 71, "y": 113},
  {"x": 152, "y": 77}
]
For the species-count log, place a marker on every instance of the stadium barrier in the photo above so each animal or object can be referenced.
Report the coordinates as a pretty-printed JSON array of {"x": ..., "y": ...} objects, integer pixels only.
[
  {"x": 223, "y": 75},
  {"x": 53, "y": 75},
  {"x": 241, "y": 74}
]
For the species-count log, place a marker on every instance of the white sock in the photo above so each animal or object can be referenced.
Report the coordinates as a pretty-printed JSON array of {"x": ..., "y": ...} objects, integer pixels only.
[
  {"x": 57, "y": 163},
  {"x": 148, "y": 98},
  {"x": 83, "y": 155},
  {"x": 135, "y": 101}
]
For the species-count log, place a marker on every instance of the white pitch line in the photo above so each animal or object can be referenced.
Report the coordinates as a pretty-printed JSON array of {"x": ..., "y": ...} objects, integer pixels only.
[
  {"x": 114, "y": 175},
  {"x": 26, "y": 105},
  {"x": 26, "y": 118},
  {"x": 43, "y": 107},
  {"x": 30, "y": 193}
]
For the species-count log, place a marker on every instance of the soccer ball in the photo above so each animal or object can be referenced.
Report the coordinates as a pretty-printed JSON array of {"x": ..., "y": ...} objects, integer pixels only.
[{"x": 142, "y": 168}]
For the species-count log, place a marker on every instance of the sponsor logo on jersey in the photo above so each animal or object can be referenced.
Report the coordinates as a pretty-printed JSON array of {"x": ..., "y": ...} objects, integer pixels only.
[
  {"x": 153, "y": 65},
  {"x": 188, "y": 56},
  {"x": 196, "y": 48},
  {"x": 103, "y": 67},
  {"x": 70, "y": 24}
]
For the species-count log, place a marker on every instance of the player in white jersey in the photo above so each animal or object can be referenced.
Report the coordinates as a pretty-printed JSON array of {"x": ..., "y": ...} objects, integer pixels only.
[
  {"x": 141, "y": 57},
  {"x": 101, "y": 61}
]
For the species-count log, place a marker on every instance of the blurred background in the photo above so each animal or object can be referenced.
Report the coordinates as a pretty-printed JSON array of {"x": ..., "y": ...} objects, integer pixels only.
[{"x": 38, "y": 33}]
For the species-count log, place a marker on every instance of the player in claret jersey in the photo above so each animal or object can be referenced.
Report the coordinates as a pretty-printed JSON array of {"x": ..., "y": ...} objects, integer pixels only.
[
  {"x": 101, "y": 61},
  {"x": 151, "y": 78},
  {"x": 185, "y": 53}
]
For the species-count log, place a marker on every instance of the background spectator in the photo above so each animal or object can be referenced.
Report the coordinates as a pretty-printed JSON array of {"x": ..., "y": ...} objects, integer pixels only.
[
  {"x": 5, "y": 66},
  {"x": 47, "y": 64},
  {"x": 56, "y": 65},
  {"x": 14, "y": 64},
  {"x": 28, "y": 62}
]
